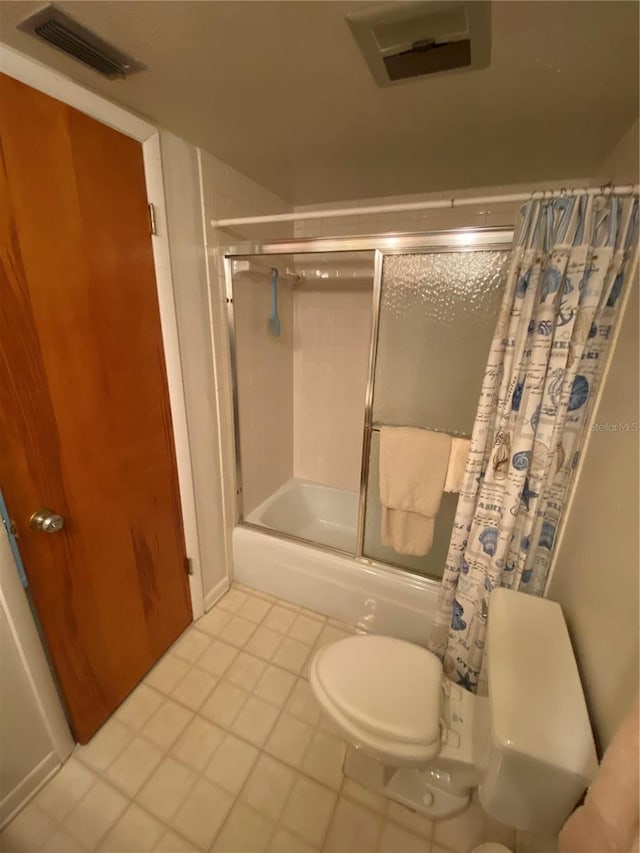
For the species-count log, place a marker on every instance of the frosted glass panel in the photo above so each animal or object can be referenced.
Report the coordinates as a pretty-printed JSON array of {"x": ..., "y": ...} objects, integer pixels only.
[{"x": 437, "y": 316}]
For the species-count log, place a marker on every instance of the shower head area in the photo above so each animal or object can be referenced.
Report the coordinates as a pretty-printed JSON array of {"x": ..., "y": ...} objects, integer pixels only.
[{"x": 376, "y": 333}]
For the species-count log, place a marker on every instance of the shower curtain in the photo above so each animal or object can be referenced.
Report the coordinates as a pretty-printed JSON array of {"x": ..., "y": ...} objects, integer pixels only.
[{"x": 565, "y": 278}]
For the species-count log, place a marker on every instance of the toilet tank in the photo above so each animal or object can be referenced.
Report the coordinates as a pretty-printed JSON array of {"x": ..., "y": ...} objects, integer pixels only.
[{"x": 540, "y": 754}]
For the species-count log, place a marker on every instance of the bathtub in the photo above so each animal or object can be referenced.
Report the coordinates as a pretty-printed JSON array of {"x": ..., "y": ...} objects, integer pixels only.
[{"x": 371, "y": 596}]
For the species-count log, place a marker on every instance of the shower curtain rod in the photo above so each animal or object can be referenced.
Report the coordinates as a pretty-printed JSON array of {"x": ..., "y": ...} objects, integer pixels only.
[{"x": 440, "y": 204}]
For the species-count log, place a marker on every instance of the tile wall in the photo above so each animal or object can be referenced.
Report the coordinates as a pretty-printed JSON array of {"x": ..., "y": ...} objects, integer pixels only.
[
  {"x": 228, "y": 193},
  {"x": 332, "y": 326},
  {"x": 265, "y": 386}
]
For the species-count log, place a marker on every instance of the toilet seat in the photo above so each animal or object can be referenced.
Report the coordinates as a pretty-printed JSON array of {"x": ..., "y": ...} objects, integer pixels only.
[{"x": 384, "y": 693}]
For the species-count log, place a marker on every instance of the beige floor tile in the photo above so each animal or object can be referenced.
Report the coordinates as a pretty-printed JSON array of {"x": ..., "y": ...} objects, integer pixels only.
[
  {"x": 237, "y": 631},
  {"x": 289, "y": 739},
  {"x": 171, "y": 842},
  {"x": 303, "y": 704},
  {"x": 167, "y": 673},
  {"x": 313, "y": 614},
  {"x": 306, "y": 629},
  {"x": 326, "y": 724},
  {"x": 203, "y": 813},
  {"x": 191, "y": 645},
  {"x": 136, "y": 710},
  {"x": 268, "y": 787},
  {"x": 94, "y": 815},
  {"x": 105, "y": 745},
  {"x": 292, "y": 655},
  {"x": 359, "y": 794},
  {"x": 409, "y": 819},
  {"x": 289, "y": 605},
  {"x": 232, "y": 600},
  {"x": 168, "y": 722},
  {"x": 331, "y": 634},
  {"x": 264, "y": 643},
  {"x": 134, "y": 765},
  {"x": 284, "y": 841},
  {"x": 394, "y": 839},
  {"x": 218, "y": 658},
  {"x": 254, "y": 609},
  {"x": 60, "y": 842},
  {"x": 165, "y": 791},
  {"x": 197, "y": 743},
  {"x": 244, "y": 831},
  {"x": 245, "y": 671},
  {"x": 135, "y": 832},
  {"x": 353, "y": 828},
  {"x": 279, "y": 618},
  {"x": 255, "y": 720},
  {"x": 28, "y": 831},
  {"x": 224, "y": 703},
  {"x": 232, "y": 763},
  {"x": 275, "y": 685},
  {"x": 194, "y": 688},
  {"x": 308, "y": 810},
  {"x": 324, "y": 759},
  {"x": 462, "y": 832},
  {"x": 213, "y": 622},
  {"x": 65, "y": 789}
]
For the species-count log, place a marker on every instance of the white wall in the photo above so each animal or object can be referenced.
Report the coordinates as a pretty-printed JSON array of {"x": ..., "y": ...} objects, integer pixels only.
[
  {"x": 34, "y": 736},
  {"x": 596, "y": 568},
  {"x": 195, "y": 334},
  {"x": 595, "y": 573}
]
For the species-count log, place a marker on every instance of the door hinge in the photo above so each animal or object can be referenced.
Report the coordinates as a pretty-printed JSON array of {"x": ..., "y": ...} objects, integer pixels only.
[
  {"x": 152, "y": 219},
  {"x": 188, "y": 564}
]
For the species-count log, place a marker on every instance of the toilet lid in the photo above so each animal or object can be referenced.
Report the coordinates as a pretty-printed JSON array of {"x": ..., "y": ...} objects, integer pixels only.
[{"x": 386, "y": 686}]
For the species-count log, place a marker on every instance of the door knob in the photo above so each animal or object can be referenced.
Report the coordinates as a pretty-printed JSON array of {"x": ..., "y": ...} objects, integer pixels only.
[{"x": 46, "y": 521}]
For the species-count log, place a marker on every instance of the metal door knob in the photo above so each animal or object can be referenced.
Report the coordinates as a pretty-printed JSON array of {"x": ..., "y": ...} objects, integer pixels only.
[{"x": 46, "y": 521}]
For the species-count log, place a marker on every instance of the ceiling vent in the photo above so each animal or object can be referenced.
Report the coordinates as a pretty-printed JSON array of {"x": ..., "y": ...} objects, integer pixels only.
[
  {"x": 59, "y": 29},
  {"x": 407, "y": 40}
]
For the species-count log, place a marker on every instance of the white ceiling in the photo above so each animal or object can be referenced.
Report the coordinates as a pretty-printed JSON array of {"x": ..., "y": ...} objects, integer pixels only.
[{"x": 280, "y": 91}]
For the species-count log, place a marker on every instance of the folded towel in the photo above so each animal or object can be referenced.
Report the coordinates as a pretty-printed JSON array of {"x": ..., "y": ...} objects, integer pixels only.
[
  {"x": 457, "y": 463},
  {"x": 406, "y": 532},
  {"x": 413, "y": 468},
  {"x": 610, "y": 816}
]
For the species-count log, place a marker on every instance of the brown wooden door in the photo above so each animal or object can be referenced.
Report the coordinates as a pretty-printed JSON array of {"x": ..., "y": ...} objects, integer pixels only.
[{"x": 85, "y": 424}]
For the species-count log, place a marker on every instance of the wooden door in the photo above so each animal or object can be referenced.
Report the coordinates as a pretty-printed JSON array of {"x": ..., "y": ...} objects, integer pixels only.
[{"x": 85, "y": 423}]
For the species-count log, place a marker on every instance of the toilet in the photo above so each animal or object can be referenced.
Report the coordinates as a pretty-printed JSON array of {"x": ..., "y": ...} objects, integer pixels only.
[{"x": 422, "y": 740}]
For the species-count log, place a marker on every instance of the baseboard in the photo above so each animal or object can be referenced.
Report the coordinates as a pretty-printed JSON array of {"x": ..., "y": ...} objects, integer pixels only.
[
  {"x": 28, "y": 788},
  {"x": 216, "y": 593}
]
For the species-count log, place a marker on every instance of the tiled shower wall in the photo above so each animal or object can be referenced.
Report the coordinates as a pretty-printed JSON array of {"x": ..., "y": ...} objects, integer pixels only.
[
  {"x": 264, "y": 367},
  {"x": 332, "y": 323},
  {"x": 227, "y": 193}
]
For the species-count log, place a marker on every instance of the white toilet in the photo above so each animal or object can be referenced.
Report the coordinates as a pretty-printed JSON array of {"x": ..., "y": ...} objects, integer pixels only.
[{"x": 427, "y": 743}]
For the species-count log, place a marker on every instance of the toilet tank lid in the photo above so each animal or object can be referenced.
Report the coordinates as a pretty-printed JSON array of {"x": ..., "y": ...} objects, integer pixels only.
[{"x": 536, "y": 698}]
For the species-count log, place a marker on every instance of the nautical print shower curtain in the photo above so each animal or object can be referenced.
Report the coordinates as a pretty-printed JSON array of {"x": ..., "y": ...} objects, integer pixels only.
[{"x": 565, "y": 280}]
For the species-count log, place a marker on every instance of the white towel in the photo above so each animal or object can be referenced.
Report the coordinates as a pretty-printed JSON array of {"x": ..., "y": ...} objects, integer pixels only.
[
  {"x": 457, "y": 463},
  {"x": 413, "y": 468}
]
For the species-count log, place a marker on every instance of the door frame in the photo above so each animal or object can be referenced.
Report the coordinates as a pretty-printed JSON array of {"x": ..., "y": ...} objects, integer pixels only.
[{"x": 44, "y": 79}]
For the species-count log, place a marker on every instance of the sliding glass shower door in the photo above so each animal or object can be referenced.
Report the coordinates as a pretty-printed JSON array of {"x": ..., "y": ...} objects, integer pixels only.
[{"x": 437, "y": 313}]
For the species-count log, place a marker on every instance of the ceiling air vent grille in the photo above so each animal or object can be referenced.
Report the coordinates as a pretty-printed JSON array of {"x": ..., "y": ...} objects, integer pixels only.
[
  {"x": 60, "y": 30},
  {"x": 407, "y": 40}
]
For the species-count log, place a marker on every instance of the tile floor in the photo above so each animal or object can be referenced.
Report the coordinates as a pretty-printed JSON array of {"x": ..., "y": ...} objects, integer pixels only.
[{"x": 223, "y": 748}]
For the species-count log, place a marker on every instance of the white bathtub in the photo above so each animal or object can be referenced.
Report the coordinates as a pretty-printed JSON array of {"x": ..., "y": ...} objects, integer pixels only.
[
  {"x": 310, "y": 511},
  {"x": 369, "y": 595}
]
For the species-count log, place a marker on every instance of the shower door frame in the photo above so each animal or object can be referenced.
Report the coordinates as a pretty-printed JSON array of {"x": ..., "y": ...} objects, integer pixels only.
[{"x": 457, "y": 240}]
